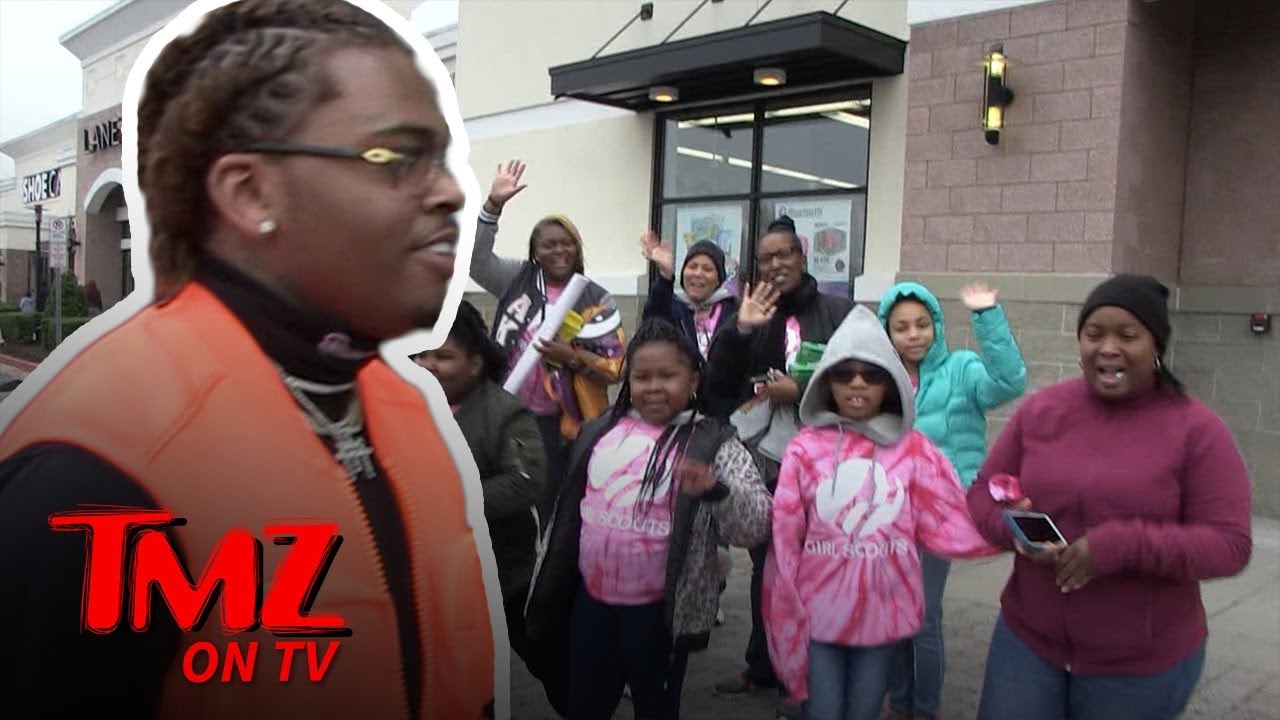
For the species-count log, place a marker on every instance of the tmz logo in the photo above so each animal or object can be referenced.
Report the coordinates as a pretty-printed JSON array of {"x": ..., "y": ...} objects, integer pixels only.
[{"x": 128, "y": 557}]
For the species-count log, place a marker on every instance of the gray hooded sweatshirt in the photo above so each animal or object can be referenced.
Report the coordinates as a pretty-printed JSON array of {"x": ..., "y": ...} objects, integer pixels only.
[{"x": 860, "y": 337}]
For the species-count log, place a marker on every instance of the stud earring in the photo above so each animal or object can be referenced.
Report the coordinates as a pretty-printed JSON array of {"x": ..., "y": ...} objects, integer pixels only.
[{"x": 266, "y": 227}]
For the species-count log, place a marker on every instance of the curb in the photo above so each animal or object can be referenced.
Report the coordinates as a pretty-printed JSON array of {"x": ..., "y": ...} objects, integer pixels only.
[{"x": 17, "y": 364}]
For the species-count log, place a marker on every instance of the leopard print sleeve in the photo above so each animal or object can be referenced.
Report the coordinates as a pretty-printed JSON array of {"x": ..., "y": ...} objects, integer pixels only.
[{"x": 743, "y": 517}]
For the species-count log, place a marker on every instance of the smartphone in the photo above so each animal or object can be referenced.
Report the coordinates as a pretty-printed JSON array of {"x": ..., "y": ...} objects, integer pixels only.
[{"x": 1033, "y": 529}]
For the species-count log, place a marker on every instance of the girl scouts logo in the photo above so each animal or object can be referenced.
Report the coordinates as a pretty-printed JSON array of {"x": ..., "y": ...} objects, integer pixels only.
[
  {"x": 619, "y": 470},
  {"x": 860, "y": 498}
]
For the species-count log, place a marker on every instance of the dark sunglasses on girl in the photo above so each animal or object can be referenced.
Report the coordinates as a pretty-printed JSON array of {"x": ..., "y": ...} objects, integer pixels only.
[{"x": 870, "y": 374}]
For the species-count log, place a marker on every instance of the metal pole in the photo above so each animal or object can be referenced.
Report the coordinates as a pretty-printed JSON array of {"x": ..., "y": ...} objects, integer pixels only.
[
  {"x": 57, "y": 303},
  {"x": 40, "y": 266}
]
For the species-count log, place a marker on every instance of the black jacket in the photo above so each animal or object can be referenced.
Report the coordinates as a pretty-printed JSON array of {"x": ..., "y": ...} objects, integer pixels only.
[
  {"x": 507, "y": 448},
  {"x": 735, "y": 358},
  {"x": 662, "y": 303}
]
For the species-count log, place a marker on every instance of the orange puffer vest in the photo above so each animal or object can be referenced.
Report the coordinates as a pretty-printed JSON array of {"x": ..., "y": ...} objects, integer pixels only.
[{"x": 181, "y": 399}]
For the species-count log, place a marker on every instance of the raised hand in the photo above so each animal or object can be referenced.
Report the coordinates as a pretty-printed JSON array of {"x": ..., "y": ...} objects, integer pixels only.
[
  {"x": 658, "y": 253},
  {"x": 506, "y": 184},
  {"x": 757, "y": 306},
  {"x": 977, "y": 296}
]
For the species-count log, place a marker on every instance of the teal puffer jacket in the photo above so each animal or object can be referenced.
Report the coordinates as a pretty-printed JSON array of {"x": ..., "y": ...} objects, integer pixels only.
[{"x": 958, "y": 388}]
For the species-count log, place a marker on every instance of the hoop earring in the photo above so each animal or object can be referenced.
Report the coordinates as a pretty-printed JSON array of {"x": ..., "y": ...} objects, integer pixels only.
[{"x": 266, "y": 227}]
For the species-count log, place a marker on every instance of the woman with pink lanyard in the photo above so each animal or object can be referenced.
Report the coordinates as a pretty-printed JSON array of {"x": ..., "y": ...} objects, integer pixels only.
[{"x": 703, "y": 304}]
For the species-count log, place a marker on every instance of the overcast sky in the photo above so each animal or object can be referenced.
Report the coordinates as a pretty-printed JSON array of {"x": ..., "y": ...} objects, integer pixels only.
[{"x": 40, "y": 79}]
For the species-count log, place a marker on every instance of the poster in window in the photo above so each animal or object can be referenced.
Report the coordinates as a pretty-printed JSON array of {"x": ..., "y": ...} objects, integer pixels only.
[
  {"x": 825, "y": 234},
  {"x": 721, "y": 224}
]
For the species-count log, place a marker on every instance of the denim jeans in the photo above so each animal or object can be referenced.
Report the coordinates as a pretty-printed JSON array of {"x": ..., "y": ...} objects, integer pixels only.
[
  {"x": 847, "y": 683},
  {"x": 1021, "y": 686},
  {"x": 759, "y": 666},
  {"x": 915, "y": 684}
]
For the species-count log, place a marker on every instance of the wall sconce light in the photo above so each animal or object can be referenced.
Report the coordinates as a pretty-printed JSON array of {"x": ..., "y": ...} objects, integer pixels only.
[
  {"x": 770, "y": 76},
  {"x": 663, "y": 94},
  {"x": 1259, "y": 323},
  {"x": 996, "y": 95}
]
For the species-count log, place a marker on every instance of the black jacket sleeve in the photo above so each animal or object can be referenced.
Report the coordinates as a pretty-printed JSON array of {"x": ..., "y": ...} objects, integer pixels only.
[
  {"x": 658, "y": 303},
  {"x": 728, "y": 370},
  {"x": 49, "y": 667}
]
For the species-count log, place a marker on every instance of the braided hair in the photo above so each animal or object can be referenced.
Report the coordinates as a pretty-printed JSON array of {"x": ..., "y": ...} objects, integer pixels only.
[
  {"x": 674, "y": 440},
  {"x": 252, "y": 71},
  {"x": 470, "y": 332}
]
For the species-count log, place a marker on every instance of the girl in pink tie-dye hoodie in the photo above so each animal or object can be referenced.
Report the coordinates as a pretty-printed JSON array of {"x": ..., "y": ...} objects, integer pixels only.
[
  {"x": 627, "y": 584},
  {"x": 858, "y": 489}
]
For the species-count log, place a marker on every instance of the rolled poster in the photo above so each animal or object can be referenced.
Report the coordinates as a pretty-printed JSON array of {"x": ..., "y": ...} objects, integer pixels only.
[{"x": 550, "y": 325}]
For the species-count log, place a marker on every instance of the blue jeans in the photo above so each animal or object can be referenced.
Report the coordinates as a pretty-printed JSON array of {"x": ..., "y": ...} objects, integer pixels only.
[
  {"x": 846, "y": 683},
  {"x": 915, "y": 684},
  {"x": 1021, "y": 686}
]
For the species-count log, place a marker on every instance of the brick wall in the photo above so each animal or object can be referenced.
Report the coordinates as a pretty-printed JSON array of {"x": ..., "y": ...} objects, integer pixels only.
[
  {"x": 1154, "y": 120},
  {"x": 1230, "y": 233},
  {"x": 1043, "y": 200}
]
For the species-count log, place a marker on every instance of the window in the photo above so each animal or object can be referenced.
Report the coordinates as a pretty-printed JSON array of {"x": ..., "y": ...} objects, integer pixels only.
[{"x": 724, "y": 175}]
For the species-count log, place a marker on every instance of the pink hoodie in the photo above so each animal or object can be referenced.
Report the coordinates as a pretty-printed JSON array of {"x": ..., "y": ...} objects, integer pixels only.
[{"x": 853, "y": 502}]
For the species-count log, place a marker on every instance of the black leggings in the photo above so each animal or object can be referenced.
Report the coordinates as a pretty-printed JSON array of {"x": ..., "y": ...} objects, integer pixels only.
[{"x": 611, "y": 646}]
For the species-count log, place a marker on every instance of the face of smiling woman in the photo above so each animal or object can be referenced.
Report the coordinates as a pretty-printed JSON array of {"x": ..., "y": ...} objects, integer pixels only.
[{"x": 1117, "y": 353}]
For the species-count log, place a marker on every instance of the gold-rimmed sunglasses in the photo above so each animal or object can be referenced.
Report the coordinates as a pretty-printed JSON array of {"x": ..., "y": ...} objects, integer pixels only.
[{"x": 416, "y": 168}]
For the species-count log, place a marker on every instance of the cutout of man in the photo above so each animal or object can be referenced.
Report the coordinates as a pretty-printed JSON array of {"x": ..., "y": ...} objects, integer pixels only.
[{"x": 292, "y": 160}]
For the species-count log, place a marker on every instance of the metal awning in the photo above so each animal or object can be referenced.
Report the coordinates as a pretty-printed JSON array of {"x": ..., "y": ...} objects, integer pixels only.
[{"x": 814, "y": 49}]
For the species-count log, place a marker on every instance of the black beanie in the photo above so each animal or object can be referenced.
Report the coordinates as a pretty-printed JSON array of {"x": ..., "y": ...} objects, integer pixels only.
[
  {"x": 712, "y": 251},
  {"x": 1142, "y": 295}
]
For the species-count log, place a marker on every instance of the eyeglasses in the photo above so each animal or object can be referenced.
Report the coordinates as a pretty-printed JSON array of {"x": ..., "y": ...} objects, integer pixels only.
[
  {"x": 783, "y": 254},
  {"x": 415, "y": 168},
  {"x": 870, "y": 374}
]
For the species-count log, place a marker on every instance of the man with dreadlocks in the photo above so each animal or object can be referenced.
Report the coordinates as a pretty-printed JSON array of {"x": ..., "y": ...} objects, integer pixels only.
[
  {"x": 627, "y": 585},
  {"x": 292, "y": 159}
]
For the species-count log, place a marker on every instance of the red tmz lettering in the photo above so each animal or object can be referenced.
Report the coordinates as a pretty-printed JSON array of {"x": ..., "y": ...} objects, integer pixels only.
[
  {"x": 201, "y": 661},
  {"x": 150, "y": 562}
]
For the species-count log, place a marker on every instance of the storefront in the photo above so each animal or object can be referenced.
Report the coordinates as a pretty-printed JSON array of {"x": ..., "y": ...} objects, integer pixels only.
[
  {"x": 701, "y": 121},
  {"x": 45, "y": 178}
]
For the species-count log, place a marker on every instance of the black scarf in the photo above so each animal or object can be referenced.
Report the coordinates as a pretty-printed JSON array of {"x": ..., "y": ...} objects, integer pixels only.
[
  {"x": 303, "y": 342},
  {"x": 770, "y": 347}
]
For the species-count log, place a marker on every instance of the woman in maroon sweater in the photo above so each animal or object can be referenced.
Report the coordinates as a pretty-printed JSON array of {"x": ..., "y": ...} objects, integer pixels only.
[{"x": 1150, "y": 492}]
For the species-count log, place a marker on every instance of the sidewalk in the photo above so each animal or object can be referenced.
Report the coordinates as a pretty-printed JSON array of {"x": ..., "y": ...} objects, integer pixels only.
[
  {"x": 12, "y": 367},
  {"x": 1241, "y": 680}
]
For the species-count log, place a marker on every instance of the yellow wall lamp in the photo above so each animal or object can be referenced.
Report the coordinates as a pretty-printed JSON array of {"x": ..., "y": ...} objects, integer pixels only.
[{"x": 996, "y": 95}]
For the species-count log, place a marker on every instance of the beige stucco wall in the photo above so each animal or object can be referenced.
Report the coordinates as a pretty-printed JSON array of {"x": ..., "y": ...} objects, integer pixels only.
[
  {"x": 597, "y": 173},
  {"x": 104, "y": 79}
]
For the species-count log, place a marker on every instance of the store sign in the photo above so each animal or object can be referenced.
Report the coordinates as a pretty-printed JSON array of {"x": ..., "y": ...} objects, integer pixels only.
[
  {"x": 42, "y": 186},
  {"x": 102, "y": 136}
]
